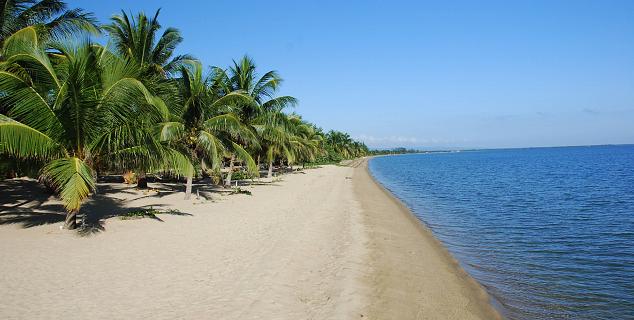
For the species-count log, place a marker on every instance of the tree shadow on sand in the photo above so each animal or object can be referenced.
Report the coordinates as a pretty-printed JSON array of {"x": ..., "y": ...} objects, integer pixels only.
[
  {"x": 25, "y": 202},
  {"x": 29, "y": 204}
]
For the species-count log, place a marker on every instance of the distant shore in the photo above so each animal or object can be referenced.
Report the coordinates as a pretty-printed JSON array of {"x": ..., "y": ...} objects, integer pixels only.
[{"x": 326, "y": 243}]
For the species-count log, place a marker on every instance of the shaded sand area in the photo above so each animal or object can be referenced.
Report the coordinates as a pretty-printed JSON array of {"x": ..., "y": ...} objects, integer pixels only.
[{"x": 328, "y": 243}]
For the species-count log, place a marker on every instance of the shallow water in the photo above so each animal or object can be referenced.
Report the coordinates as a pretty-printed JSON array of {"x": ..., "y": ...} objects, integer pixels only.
[{"x": 548, "y": 231}]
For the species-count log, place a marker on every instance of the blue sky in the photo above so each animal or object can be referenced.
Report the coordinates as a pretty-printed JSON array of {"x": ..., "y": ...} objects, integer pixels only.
[{"x": 430, "y": 74}]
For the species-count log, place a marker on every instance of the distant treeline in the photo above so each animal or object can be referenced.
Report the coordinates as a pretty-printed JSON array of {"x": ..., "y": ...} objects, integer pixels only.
[{"x": 377, "y": 152}]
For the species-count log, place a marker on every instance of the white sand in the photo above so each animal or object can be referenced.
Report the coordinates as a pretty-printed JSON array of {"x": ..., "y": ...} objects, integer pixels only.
[{"x": 306, "y": 247}]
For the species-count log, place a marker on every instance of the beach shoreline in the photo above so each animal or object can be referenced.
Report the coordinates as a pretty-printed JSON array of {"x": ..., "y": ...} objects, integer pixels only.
[
  {"x": 325, "y": 243},
  {"x": 411, "y": 265}
]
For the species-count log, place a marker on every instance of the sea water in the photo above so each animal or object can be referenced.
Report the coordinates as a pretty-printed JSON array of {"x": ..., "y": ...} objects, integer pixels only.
[{"x": 549, "y": 232}]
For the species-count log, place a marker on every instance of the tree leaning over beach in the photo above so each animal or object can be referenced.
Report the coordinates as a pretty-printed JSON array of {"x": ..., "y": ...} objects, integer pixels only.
[
  {"x": 206, "y": 128},
  {"x": 265, "y": 116},
  {"x": 62, "y": 104},
  {"x": 306, "y": 140}
]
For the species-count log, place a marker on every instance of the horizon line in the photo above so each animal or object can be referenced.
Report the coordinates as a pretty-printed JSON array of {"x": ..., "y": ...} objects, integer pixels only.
[{"x": 439, "y": 149}]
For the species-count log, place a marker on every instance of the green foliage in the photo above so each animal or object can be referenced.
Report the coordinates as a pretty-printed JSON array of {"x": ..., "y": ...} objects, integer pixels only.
[
  {"x": 70, "y": 107},
  {"x": 393, "y": 151},
  {"x": 72, "y": 110},
  {"x": 148, "y": 213},
  {"x": 242, "y": 175},
  {"x": 11, "y": 167},
  {"x": 51, "y": 18},
  {"x": 72, "y": 177},
  {"x": 140, "y": 214},
  {"x": 137, "y": 38}
]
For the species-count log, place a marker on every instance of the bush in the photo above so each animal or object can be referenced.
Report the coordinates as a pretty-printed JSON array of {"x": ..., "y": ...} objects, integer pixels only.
[{"x": 241, "y": 175}]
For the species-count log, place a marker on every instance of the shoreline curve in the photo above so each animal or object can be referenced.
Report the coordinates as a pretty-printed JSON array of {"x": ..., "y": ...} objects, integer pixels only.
[{"x": 413, "y": 275}]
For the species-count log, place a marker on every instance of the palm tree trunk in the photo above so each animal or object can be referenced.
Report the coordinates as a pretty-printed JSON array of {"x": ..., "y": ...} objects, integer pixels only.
[
  {"x": 258, "y": 167},
  {"x": 228, "y": 180},
  {"x": 71, "y": 220},
  {"x": 270, "y": 175},
  {"x": 188, "y": 187},
  {"x": 141, "y": 181}
]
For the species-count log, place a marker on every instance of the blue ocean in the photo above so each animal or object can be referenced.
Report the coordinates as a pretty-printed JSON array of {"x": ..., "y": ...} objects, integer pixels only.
[{"x": 549, "y": 232}]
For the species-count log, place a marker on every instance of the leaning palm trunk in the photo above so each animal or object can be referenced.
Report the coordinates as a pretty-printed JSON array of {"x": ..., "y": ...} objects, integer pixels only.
[
  {"x": 258, "y": 168},
  {"x": 188, "y": 187},
  {"x": 70, "y": 223},
  {"x": 228, "y": 180},
  {"x": 270, "y": 174}
]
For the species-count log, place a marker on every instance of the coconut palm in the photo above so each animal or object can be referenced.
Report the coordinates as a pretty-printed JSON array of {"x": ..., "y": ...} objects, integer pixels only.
[
  {"x": 137, "y": 38},
  {"x": 206, "y": 128},
  {"x": 273, "y": 129},
  {"x": 265, "y": 115},
  {"x": 340, "y": 142},
  {"x": 50, "y": 17},
  {"x": 63, "y": 105},
  {"x": 306, "y": 140}
]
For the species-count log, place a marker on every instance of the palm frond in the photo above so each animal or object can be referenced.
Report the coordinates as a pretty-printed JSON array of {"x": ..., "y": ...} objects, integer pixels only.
[
  {"x": 179, "y": 163},
  {"x": 22, "y": 141},
  {"x": 243, "y": 155},
  {"x": 172, "y": 130},
  {"x": 28, "y": 106},
  {"x": 211, "y": 146},
  {"x": 279, "y": 104},
  {"x": 72, "y": 178},
  {"x": 72, "y": 22},
  {"x": 231, "y": 125}
]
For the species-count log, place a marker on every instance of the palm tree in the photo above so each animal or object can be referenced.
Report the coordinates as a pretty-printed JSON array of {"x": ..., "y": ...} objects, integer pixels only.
[
  {"x": 206, "y": 128},
  {"x": 50, "y": 17},
  {"x": 63, "y": 107},
  {"x": 273, "y": 129},
  {"x": 306, "y": 141},
  {"x": 265, "y": 115},
  {"x": 137, "y": 38},
  {"x": 340, "y": 142}
]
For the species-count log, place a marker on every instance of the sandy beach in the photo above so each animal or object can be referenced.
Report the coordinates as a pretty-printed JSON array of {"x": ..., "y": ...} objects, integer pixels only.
[{"x": 326, "y": 243}]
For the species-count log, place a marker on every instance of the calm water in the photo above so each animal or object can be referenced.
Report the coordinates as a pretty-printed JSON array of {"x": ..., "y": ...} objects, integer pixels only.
[{"x": 549, "y": 231}]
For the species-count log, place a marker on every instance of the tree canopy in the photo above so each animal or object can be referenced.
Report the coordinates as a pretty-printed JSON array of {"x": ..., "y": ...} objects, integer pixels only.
[{"x": 71, "y": 108}]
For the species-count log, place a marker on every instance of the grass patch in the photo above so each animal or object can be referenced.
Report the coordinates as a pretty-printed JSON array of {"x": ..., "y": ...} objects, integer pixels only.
[{"x": 148, "y": 213}]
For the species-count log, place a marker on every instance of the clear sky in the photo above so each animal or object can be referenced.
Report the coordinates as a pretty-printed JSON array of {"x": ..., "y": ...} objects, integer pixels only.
[{"x": 429, "y": 74}]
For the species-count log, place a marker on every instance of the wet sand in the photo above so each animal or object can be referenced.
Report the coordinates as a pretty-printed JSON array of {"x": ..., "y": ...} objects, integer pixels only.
[{"x": 413, "y": 275}]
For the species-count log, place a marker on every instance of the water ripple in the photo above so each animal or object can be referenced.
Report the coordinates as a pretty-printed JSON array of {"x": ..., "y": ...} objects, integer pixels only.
[{"x": 549, "y": 232}]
